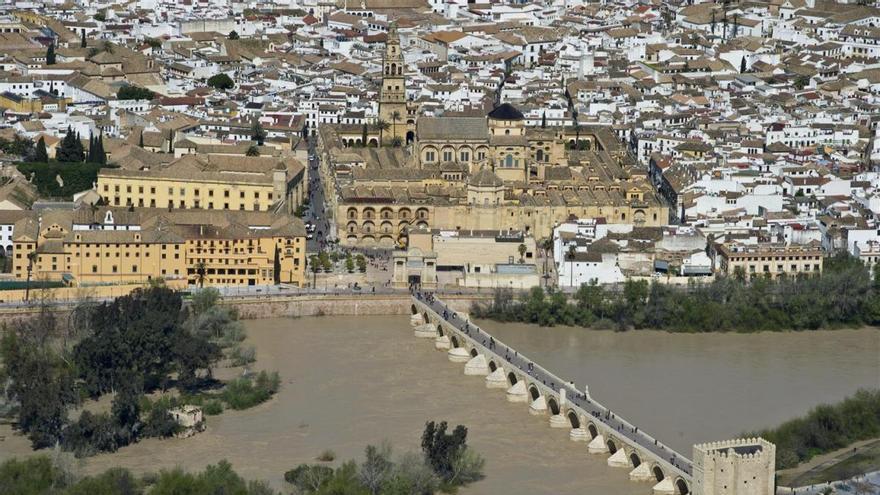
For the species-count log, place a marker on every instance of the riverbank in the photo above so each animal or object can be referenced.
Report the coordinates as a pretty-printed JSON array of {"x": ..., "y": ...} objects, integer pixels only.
[{"x": 841, "y": 464}]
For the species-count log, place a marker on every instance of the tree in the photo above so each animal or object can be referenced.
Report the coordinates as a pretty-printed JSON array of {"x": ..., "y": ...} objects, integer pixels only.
[
  {"x": 100, "y": 154},
  {"x": 129, "y": 92},
  {"x": 522, "y": 252},
  {"x": 50, "y": 54},
  {"x": 70, "y": 150},
  {"x": 742, "y": 66},
  {"x": 221, "y": 81},
  {"x": 544, "y": 120},
  {"x": 82, "y": 43},
  {"x": 141, "y": 138},
  {"x": 233, "y": 35},
  {"x": 571, "y": 254},
  {"x": 395, "y": 116},
  {"x": 40, "y": 379},
  {"x": 382, "y": 126},
  {"x": 258, "y": 134},
  {"x": 201, "y": 271},
  {"x": 315, "y": 266},
  {"x": 441, "y": 449},
  {"x": 41, "y": 155},
  {"x": 276, "y": 265},
  {"x": 361, "y": 263},
  {"x": 349, "y": 263},
  {"x": 364, "y": 135},
  {"x": 396, "y": 142},
  {"x": 252, "y": 151},
  {"x": 376, "y": 469}
]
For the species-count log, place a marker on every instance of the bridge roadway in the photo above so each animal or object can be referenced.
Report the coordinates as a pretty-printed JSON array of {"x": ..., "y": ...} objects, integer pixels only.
[{"x": 674, "y": 465}]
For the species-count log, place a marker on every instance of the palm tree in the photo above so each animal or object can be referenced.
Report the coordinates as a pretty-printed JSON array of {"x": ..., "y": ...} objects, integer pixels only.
[
  {"x": 32, "y": 257},
  {"x": 382, "y": 126},
  {"x": 571, "y": 253},
  {"x": 396, "y": 142},
  {"x": 522, "y": 252},
  {"x": 201, "y": 269},
  {"x": 395, "y": 116}
]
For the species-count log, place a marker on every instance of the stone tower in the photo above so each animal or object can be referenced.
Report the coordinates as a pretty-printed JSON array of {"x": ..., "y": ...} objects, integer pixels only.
[
  {"x": 392, "y": 96},
  {"x": 745, "y": 466}
]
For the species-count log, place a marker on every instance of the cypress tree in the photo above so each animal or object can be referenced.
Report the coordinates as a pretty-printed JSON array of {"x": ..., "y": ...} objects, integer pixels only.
[
  {"x": 742, "y": 65},
  {"x": 90, "y": 157},
  {"x": 50, "y": 54},
  {"x": 277, "y": 266},
  {"x": 544, "y": 121},
  {"x": 79, "y": 152},
  {"x": 101, "y": 155},
  {"x": 141, "y": 139},
  {"x": 41, "y": 155},
  {"x": 82, "y": 43},
  {"x": 66, "y": 150}
]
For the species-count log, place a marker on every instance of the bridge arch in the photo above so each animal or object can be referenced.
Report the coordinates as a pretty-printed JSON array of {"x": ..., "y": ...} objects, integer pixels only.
[
  {"x": 659, "y": 475},
  {"x": 681, "y": 487},
  {"x": 440, "y": 330},
  {"x": 492, "y": 365},
  {"x": 414, "y": 310},
  {"x": 474, "y": 352},
  {"x": 454, "y": 341},
  {"x": 594, "y": 432},
  {"x": 534, "y": 392},
  {"x": 427, "y": 318},
  {"x": 612, "y": 446},
  {"x": 553, "y": 406},
  {"x": 634, "y": 458},
  {"x": 573, "y": 419},
  {"x": 511, "y": 378}
]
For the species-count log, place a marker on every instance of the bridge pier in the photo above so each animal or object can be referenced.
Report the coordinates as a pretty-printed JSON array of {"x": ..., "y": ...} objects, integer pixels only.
[
  {"x": 442, "y": 343},
  {"x": 477, "y": 366},
  {"x": 578, "y": 435},
  {"x": 517, "y": 392},
  {"x": 538, "y": 406},
  {"x": 664, "y": 487},
  {"x": 597, "y": 445},
  {"x": 458, "y": 355},
  {"x": 642, "y": 472},
  {"x": 416, "y": 320},
  {"x": 496, "y": 379},
  {"x": 425, "y": 331},
  {"x": 619, "y": 459}
]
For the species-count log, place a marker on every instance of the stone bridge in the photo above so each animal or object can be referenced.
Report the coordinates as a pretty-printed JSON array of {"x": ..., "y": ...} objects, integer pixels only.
[{"x": 605, "y": 432}]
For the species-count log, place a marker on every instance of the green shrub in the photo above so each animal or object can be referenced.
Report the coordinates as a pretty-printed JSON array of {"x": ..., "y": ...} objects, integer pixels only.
[
  {"x": 246, "y": 392},
  {"x": 212, "y": 407},
  {"x": 77, "y": 177},
  {"x": 327, "y": 456}
]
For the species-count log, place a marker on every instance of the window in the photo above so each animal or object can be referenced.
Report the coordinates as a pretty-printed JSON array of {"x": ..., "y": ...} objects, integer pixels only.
[
  {"x": 447, "y": 156},
  {"x": 429, "y": 156}
]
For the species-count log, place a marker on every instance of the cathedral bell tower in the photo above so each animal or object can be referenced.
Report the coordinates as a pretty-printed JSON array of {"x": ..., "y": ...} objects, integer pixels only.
[{"x": 392, "y": 96}]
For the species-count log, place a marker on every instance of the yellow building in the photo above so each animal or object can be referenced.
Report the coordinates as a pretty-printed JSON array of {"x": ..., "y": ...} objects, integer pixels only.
[
  {"x": 211, "y": 182},
  {"x": 39, "y": 102},
  {"x": 769, "y": 260},
  {"x": 115, "y": 246}
]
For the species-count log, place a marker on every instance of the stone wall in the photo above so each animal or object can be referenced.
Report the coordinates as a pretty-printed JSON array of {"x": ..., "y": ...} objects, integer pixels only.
[{"x": 300, "y": 305}]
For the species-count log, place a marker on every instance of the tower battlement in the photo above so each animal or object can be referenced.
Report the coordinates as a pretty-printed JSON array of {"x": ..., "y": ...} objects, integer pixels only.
[{"x": 743, "y": 466}]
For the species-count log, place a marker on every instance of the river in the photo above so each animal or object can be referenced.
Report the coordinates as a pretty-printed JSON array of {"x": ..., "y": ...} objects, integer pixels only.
[{"x": 350, "y": 381}]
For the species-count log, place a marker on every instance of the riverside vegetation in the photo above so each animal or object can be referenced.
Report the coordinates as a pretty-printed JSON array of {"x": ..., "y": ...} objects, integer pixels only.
[
  {"x": 446, "y": 464},
  {"x": 140, "y": 344},
  {"x": 846, "y": 294},
  {"x": 825, "y": 428},
  {"x": 42, "y": 475}
]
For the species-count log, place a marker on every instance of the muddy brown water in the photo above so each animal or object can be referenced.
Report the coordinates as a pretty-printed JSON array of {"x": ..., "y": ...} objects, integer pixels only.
[{"x": 350, "y": 381}]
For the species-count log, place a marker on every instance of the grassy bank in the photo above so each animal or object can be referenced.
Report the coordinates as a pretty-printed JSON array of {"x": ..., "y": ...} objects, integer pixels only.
[{"x": 841, "y": 467}]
